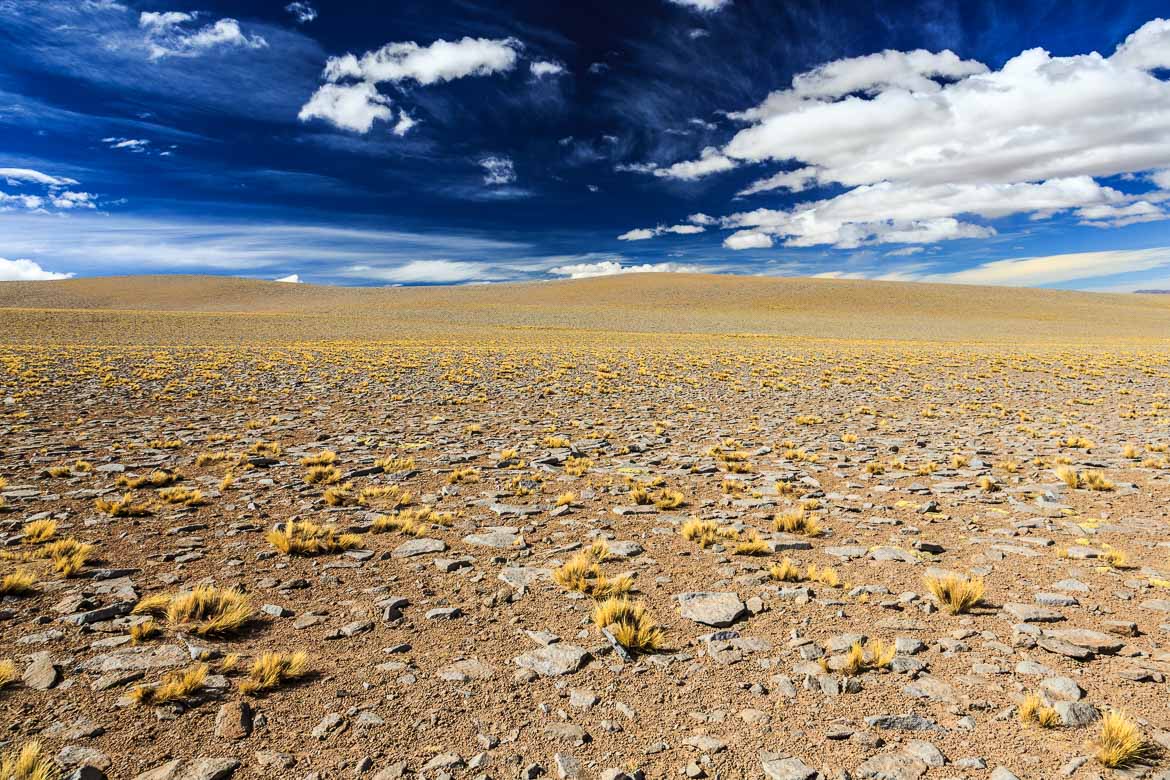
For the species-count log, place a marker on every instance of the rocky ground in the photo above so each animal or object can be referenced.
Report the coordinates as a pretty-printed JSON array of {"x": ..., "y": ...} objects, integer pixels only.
[{"x": 444, "y": 644}]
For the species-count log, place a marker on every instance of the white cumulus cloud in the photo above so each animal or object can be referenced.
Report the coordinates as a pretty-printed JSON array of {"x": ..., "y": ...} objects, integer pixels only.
[
  {"x": 929, "y": 146},
  {"x": 173, "y": 34},
  {"x": 302, "y": 12},
  {"x": 642, "y": 234},
  {"x": 425, "y": 272},
  {"x": 425, "y": 65},
  {"x": 614, "y": 267},
  {"x": 26, "y": 271},
  {"x": 498, "y": 171},
  {"x": 349, "y": 106},
  {"x": 544, "y": 68},
  {"x": 706, "y": 6},
  {"x": 290, "y": 279}
]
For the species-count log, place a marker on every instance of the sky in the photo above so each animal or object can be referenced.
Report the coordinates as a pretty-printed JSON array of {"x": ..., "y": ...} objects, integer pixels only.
[{"x": 367, "y": 142}]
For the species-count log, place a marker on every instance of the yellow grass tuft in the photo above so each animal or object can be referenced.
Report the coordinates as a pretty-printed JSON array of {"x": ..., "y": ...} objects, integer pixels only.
[
  {"x": 987, "y": 484},
  {"x": 668, "y": 499},
  {"x": 706, "y": 532},
  {"x": 566, "y": 499},
  {"x": 955, "y": 594},
  {"x": 29, "y": 764},
  {"x": 38, "y": 531},
  {"x": 385, "y": 496},
  {"x": 323, "y": 475},
  {"x": 173, "y": 687},
  {"x": 155, "y": 479},
  {"x": 7, "y": 672},
  {"x": 271, "y": 670},
  {"x": 582, "y": 574},
  {"x": 407, "y": 521},
  {"x": 143, "y": 631},
  {"x": 205, "y": 610},
  {"x": 1033, "y": 710},
  {"x": 785, "y": 571},
  {"x": 629, "y": 624},
  {"x": 1095, "y": 480},
  {"x": 302, "y": 537},
  {"x": 754, "y": 544},
  {"x": 826, "y": 575},
  {"x": 182, "y": 495},
  {"x": 21, "y": 582},
  {"x": 796, "y": 522},
  {"x": 392, "y": 465},
  {"x": 1121, "y": 742},
  {"x": 322, "y": 458},
  {"x": 576, "y": 467},
  {"x": 122, "y": 507},
  {"x": 68, "y": 556},
  {"x": 340, "y": 495},
  {"x": 463, "y": 475}
]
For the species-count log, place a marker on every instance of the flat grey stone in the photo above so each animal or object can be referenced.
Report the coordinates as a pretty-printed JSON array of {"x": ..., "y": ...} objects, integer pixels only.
[
  {"x": 892, "y": 766},
  {"x": 711, "y": 609},
  {"x": 787, "y": 769},
  {"x": 1031, "y": 613},
  {"x": 554, "y": 660},
  {"x": 146, "y": 658},
  {"x": 520, "y": 577},
  {"x": 419, "y": 547}
]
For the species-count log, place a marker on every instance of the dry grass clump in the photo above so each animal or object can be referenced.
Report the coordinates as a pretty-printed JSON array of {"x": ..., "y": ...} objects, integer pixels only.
[
  {"x": 754, "y": 544},
  {"x": 175, "y": 686},
  {"x": 28, "y": 764},
  {"x": 1033, "y": 710},
  {"x": 858, "y": 661},
  {"x": 144, "y": 631},
  {"x": 158, "y": 478},
  {"x": 121, "y": 507},
  {"x": 21, "y": 582},
  {"x": 385, "y": 497},
  {"x": 206, "y": 610},
  {"x": 302, "y": 537},
  {"x": 323, "y": 475},
  {"x": 825, "y": 575},
  {"x": 556, "y": 442},
  {"x": 797, "y": 522},
  {"x": 1121, "y": 742},
  {"x": 463, "y": 475},
  {"x": 38, "y": 531},
  {"x": 68, "y": 556},
  {"x": 576, "y": 467},
  {"x": 182, "y": 495},
  {"x": 1116, "y": 559},
  {"x": 7, "y": 672},
  {"x": 955, "y": 594},
  {"x": 959, "y": 461},
  {"x": 785, "y": 571},
  {"x": 393, "y": 465},
  {"x": 629, "y": 624},
  {"x": 271, "y": 670},
  {"x": 926, "y": 468},
  {"x": 322, "y": 458},
  {"x": 668, "y": 499},
  {"x": 706, "y": 532},
  {"x": 1010, "y": 466},
  {"x": 1088, "y": 480},
  {"x": 408, "y": 521},
  {"x": 1130, "y": 452},
  {"x": 987, "y": 484},
  {"x": 566, "y": 499},
  {"x": 340, "y": 495},
  {"x": 582, "y": 574},
  {"x": 266, "y": 449}
]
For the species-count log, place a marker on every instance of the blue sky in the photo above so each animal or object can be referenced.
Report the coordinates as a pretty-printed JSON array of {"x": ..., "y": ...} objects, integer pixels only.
[{"x": 472, "y": 141}]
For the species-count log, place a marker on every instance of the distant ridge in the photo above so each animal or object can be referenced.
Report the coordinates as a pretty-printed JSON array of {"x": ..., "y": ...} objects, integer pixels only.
[
  {"x": 1152, "y": 292},
  {"x": 189, "y": 309}
]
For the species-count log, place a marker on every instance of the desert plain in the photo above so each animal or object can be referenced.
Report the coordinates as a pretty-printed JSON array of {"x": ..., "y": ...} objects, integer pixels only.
[{"x": 648, "y": 526}]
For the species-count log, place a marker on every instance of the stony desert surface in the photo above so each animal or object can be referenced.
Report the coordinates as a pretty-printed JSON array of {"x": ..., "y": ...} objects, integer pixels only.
[{"x": 638, "y": 527}]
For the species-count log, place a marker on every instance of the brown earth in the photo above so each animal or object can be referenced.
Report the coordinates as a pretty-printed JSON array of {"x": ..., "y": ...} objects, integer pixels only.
[{"x": 902, "y": 418}]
